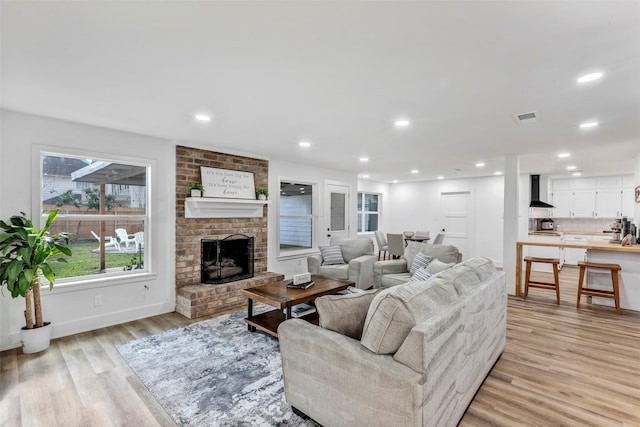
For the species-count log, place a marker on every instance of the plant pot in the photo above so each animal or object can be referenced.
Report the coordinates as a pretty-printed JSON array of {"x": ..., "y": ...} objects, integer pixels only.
[
  {"x": 36, "y": 339},
  {"x": 196, "y": 193},
  {"x": 262, "y": 197}
]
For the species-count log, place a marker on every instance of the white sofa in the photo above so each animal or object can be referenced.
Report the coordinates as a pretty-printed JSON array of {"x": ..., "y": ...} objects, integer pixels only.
[
  {"x": 359, "y": 257},
  {"x": 425, "y": 350}
]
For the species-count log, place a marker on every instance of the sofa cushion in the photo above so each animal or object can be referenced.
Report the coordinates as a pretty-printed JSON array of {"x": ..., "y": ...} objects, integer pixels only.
[
  {"x": 338, "y": 271},
  {"x": 482, "y": 266},
  {"x": 420, "y": 274},
  {"x": 395, "y": 311},
  {"x": 463, "y": 278},
  {"x": 444, "y": 253},
  {"x": 436, "y": 266},
  {"x": 419, "y": 261},
  {"x": 331, "y": 255},
  {"x": 353, "y": 247},
  {"x": 345, "y": 314}
]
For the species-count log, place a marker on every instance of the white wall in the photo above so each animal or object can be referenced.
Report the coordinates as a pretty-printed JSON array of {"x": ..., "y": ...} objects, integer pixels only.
[
  {"x": 636, "y": 182},
  {"x": 304, "y": 173},
  {"x": 417, "y": 206},
  {"x": 71, "y": 308}
]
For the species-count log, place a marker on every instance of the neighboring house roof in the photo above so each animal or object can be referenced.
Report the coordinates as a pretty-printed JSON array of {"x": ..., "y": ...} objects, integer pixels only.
[{"x": 62, "y": 166}]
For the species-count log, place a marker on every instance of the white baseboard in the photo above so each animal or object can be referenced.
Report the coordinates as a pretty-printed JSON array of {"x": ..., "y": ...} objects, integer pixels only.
[{"x": 86, "y": 324}]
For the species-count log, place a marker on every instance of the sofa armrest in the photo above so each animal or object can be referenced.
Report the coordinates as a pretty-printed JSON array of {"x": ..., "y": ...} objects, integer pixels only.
[
  {"x": 394, "y": 266},
  {"x": 313, "y": 263},
  {"x": 336, "y": 381},
  {"x": 361, "y": 271}
]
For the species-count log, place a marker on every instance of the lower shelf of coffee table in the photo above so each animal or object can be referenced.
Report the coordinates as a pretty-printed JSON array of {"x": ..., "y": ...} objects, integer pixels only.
[{"x": 269, "y": 321}]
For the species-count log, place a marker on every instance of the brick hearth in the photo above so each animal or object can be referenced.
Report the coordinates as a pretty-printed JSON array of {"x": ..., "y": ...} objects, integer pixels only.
[
  {"x": 201, "y": 299},
  {"x": 193, "y": 298}
]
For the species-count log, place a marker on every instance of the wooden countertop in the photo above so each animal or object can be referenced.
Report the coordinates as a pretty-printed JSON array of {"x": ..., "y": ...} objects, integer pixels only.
[
  {"x": 599, "y": 245},
  {"x": 569, "y": 233}
]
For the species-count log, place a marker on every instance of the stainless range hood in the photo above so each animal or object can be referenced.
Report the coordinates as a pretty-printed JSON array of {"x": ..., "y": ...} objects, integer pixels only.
[{"x": 535, "y": 192}]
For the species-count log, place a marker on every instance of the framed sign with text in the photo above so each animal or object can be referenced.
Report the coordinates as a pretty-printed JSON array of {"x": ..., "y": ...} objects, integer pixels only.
[{"x": 227, "y": 183}]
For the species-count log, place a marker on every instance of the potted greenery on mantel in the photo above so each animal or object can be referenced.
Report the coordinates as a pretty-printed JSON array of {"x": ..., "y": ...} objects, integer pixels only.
[
  {"x": 25, "y": 254},
  {"x": 196, "y": 189}
]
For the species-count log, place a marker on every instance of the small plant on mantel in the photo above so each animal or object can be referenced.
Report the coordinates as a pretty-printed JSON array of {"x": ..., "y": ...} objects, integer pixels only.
[
  {"x": 262, "y": 193},
  {"x": 196, "y": 189}
]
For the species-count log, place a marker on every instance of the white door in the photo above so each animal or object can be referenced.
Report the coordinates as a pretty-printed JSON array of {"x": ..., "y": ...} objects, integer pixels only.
[
  {"x": 457, "y": 227},
  {"x": 336, "y": 214}
]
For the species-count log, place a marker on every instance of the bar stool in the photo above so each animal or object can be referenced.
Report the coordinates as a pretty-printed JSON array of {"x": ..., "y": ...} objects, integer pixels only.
[
  {"x": 542, "y": 285},
  {"x": 615, "y": 295}
]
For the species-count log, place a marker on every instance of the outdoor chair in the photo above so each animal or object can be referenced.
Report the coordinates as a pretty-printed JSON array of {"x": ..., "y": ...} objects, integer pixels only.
[
  {"x": 125, "y": 237},
  {"x": 109, "y": 241},
  {"x": 139, "y": 238}
]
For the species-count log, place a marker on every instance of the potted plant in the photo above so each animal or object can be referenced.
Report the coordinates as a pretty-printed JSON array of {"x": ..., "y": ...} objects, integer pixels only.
[
  {"x": 262, "y": 193},
  {"x": 196, "y": 189},
  {"x": 25, "y": 254}
]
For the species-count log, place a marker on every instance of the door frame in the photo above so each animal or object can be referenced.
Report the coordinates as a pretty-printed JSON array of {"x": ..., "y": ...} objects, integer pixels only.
[{"x": 471, "y": 223}]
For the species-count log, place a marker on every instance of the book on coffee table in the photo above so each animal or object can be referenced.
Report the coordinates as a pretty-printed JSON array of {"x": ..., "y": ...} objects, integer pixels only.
[
  {"x": 302, "y": 310},
  {"x": 305, "y": 285}
]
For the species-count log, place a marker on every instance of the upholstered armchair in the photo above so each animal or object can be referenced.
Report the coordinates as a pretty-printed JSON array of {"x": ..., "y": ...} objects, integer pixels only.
[
  {"x": 357, "y": 261},
  {"x": 397, "y": 271}
]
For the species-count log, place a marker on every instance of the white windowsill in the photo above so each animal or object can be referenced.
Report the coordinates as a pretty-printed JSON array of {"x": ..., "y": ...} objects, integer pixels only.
[
  {"x": 97, "y": 281},
  {"x": 211, "y": 207}
]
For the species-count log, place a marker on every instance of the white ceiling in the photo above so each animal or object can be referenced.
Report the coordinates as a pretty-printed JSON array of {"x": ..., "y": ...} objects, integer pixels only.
[{"x": 338, "y": 74}]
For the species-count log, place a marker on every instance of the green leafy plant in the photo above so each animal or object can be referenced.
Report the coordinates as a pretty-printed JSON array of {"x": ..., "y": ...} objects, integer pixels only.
[
  {"x": 262, "y": 191},
  {"x": 195, "y": 186},
  {"x": 25, "y": 254},
  {"x": 93, "y": 199}
]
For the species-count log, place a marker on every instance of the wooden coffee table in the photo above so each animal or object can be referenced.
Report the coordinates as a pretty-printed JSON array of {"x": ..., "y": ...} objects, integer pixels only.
[{"x": 278, "y": 295}]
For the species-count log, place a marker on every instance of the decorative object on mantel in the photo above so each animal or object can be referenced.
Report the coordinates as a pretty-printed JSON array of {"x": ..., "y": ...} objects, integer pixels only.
[
  {"x": 638, "y": 194},
  {"x": 230, "y": 184},
  {"x": 262, "y": 193},
  {"x": 228, "y": 376},
  {"x": 196, "y": 189}
]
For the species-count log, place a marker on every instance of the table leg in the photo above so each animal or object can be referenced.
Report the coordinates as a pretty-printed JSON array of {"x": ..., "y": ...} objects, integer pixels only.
[
  {"x": 250, "y": 314},
  {"x": 518, "y": 268},
  {"x": 288, "y": 314}
]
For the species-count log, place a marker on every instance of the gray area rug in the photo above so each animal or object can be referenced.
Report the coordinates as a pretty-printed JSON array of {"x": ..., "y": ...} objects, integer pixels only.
[{"x": 214, "y": 373}]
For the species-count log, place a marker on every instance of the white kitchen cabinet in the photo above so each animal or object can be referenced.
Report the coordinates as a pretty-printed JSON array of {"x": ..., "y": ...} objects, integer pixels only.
[
  {"x": 628, "y": 202},
  {"x": 610, "y": 182},
  {"x": 584, "y": 204},
  {"x": 608, "y": 203},
  {"x": 562, "y": 203}
]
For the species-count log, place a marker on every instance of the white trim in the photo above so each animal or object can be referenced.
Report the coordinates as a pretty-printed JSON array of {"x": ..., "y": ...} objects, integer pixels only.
[
  {"x": 95, "y": 281},
  {"x": 209, "y": 207}
]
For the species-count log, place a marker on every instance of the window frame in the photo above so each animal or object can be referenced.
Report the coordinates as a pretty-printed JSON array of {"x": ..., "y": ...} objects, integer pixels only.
[
  {"x": 110, "y": 278},
  {"x": 299, "y": 253},
  {"x": 362, "y": 213}
]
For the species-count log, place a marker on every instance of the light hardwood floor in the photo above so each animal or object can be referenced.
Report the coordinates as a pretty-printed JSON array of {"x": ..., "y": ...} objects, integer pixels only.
[{"x": 560, "y": 367}]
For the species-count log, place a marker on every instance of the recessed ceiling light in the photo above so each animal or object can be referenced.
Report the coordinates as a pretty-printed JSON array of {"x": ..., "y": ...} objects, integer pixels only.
[
  {"x": 395, "y": 181},
  {"x": 414, "y": 171},
  {"x": 203, "y": 117},
  {"x": 571, "y": 168},
  {"x": 402, "y": 123},
  {"x": 576, "y": 173},
  {"x": 441, "y": 177},
  {"x": 589, "y": 77},
  {"x": 304, "y": 144},
  {"x": 480, "y": 164},
  {"x": 587, "y": 125},
  {"x": 564, "y": 155},
  {"x": 365, "y": 176},
  {"x": 364, "y": 159},
  {"x": 497, "y": 173}
]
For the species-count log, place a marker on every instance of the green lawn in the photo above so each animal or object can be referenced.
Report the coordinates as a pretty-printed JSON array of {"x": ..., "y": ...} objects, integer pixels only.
[{"x": 84, "y": 262}]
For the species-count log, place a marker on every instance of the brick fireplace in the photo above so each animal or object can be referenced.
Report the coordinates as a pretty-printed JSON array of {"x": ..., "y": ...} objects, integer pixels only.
[{"x": 194, "y": 298}]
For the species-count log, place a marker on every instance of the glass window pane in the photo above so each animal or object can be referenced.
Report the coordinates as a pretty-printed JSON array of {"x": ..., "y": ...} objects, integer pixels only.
[
  {"x": 74, "y": 186},
  {"x": 295, "y": 233},
  {"x": 338, "y": 210},
  {"x": 360, "y": 201},
  {"x": 371, "y": 202},
  {"x": 123, "y": 250},
  {"x": 359, "y": 223},
  {"x": 371, "y": 222}
]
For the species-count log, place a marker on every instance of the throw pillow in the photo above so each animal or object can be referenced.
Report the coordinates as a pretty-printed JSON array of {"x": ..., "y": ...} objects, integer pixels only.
[
  {"x": 436, "y": 266},
  {"x": 331, "y": 255},
  {"x": 420, "y": 274},
  {"x": 419, "y": 261},
  {"x": 345, "y": 314}
]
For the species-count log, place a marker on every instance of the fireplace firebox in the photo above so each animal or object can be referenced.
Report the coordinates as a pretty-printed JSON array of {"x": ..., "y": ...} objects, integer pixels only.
[{"x": 227, "y": 260}]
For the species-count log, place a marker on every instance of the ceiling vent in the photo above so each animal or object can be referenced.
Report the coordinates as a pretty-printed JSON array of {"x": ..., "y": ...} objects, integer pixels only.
[{"x": 530, "y": 117}]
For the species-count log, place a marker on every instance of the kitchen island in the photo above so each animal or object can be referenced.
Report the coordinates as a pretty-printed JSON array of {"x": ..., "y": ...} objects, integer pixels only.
[{"x": 599, "y": 251}]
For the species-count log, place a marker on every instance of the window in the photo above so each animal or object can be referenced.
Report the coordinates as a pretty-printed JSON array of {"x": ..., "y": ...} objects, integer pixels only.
[
  {"x": 368, "y": 211},
  {"x": 104, "y": 204},
  {"x": 296, "y": 216}
]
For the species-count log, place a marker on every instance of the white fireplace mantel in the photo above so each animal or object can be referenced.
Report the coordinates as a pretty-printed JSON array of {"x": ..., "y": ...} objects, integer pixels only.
[{"x": 212, "y": 207}]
